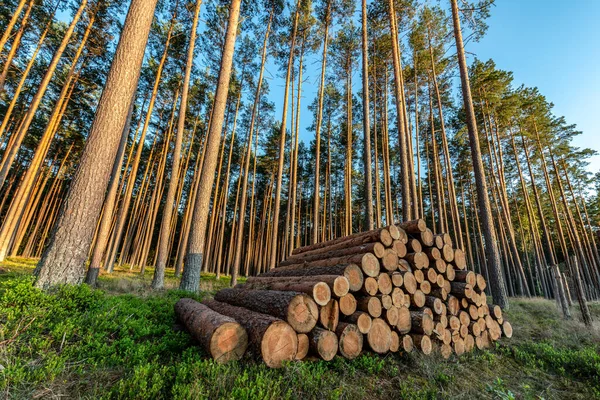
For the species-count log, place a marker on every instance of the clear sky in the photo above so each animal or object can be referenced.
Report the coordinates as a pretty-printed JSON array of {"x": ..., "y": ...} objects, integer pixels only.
[
  {"x": 552, "y": 44},
  {"x": 549, "y": 44}
]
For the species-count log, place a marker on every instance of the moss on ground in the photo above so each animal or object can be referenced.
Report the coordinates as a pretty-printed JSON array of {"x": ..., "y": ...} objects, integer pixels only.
[{"x": 119, "y": 342}]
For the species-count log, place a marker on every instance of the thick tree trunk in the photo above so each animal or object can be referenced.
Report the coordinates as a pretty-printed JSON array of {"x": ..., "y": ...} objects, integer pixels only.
[{"x": 63, "y": 261}]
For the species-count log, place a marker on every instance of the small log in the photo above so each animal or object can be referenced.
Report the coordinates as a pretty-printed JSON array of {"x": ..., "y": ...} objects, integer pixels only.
[
  {"x": 454, "y": 323},
  {"x": 410, "y": 283},
  {"x": 367, "y": 261},
  {"x": 362, "y": 320},
  {"x": 371, "y": 305},
  {"x": 450, "y": 272},
  {"x": 475, "y": 329},
  {"x": 395, "y": 343},
  {"x": 435, "y": 304},
  {"x": 350, "y": 340},
  {"x": 303, "y": 346},
  {"x": 419, "y": 276},
  {"x": 427, "y": 238},
  {"x": 438, "y": 241},
  {"x": 397, "y": 297},
  {"x": 384, "y": 283},
  {"x": 347, "y": 304},
  {"x": 423, "y": 343},
  {"x": 421, "y": 322},
  {"x": 414, "y": 226},
  {"x": 440, "y": 266},
  {"x": 481, "y": 283},
  {"x": 469, "y": 343},
  {"x": 461, "y": 290},
  {"x": 298, "y": 309},
  {"x": 440, "y": 281},
  {"x": 417, "y": 260},
  {"x": 403, "y": 235},
  {"x": 323, "y": 343},
  {"x": 448, "y": 253},
  {"x": 473, "y": 312},
  {"x": 414, "y": 246},
  {"x": 403, "y": 265},
  {"x": 433, "y": 253},
  {"x": 404, "y": 323},
  {"x": 379, "y": 337},
  {"x": 464, "y": 318},
  {"x": 394, "y": 231},
  {"x": 386, "y": 301},
  {"x": 338, "y": 284},
  {"x": 418, "y": 299},
  {"x": 397, "y": 279},
  {"x": 221, "y": 336},
  {"x": 431, "y": 275},
  {"x": 445, "y": 350},
  {"x": 329, "y": 315},
  {"x": 399, "y": 248},
  {"x": 459, "y": 347},
  {"x": 442, "y": 319},
  {"x": 375, "y": 248},
  {"x": 270, "y": 337},
  {"x": 319, "y": 291},
  {"x": 407, "y": 344},
  {"x": 466, "y": 276},
  {"x": 507, "y": 329},
  {"x": 425, "y": 287},
  {"x": 459, "y": 259},
  {"x": 453, "y": 305},
  {"x": 391, "y": 316},
  {"x": 440, "y": 293},
  {"x": 389, "y": 261},
  {"x": 370, "y": 287}
]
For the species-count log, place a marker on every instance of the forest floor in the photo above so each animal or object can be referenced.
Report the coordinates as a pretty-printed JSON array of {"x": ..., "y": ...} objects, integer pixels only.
[{"x": 119, "y": 342}]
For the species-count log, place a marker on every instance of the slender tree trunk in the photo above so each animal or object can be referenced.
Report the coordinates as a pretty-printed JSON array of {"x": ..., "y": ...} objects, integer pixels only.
[
  {"x": 368, "y": 185},
  {"x": 193, "y": 263},
  {"x": 15, "y": 45},
  {"x": 163, "y": 241},
  {"x": 11, "y": 24},
  {"x": 498, "y": 287}
]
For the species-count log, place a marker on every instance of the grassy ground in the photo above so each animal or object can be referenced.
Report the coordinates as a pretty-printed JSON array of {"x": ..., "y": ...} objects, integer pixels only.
[{"x": 119, "y": 342}]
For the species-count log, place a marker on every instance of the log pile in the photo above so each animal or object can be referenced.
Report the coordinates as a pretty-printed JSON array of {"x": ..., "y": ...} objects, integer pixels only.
[{"x": 393, "y": 289}]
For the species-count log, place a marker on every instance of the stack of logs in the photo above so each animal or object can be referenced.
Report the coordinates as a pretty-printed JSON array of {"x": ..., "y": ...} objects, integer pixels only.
[{"x": 387, "y": 290}]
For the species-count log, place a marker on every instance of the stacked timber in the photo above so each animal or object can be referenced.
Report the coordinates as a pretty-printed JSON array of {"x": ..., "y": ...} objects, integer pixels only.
[{"x": 394, "y": 289}]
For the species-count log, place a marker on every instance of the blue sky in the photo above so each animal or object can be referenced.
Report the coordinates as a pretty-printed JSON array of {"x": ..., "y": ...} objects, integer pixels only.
[{"x": 550, "y": 44}]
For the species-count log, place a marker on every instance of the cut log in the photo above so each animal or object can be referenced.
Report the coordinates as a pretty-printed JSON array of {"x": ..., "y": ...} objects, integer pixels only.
[
  {"x": 270, "y": 337},
  {"x": 407, "y": 344},
  {"x": 319, "y": 291},
  {"x": 375, "y": 248},
  {"x": 445, "y": 350},
  {"x": 507, "y": 329},
  {"x": 473, "y": 312},
  {"x": 469, "y": 343},
  {"x": 371, "y": 305},
  {"x": 417, "y": 260},
  {"x": 389, "y": 261},
  {"x": 464, "y": 318},
  {"x": 351, "y": 271},
  {"x": 391, "y": 316},
  {"x": 395, "y": 343},
  {"x": 435, "y": 304},
  {"x": 221, "y": 336},
  {"x": 367, "y": 261},
  {"x": 481, "y": 283},
  {"x": 410, "y": 283},
  {"x": 453, "y": 305},
  {"x": 400, "y": 248},
  {"x": 298, "y": 309},
  {"x": 440, "y": 282},
  {"x": 303, "y": 346},
  {"x": 419, "y": 276},
  {"x": 362, "y": 320},
  {"x": 329, "y": 315},
  {"x": 355, "y": 239},
  {"x": 450, "y": 272},
  {"x": 386, "y": 301},
  {"x": 466, "y": 276},
  {"x": 414, "y": 226},
  {"x": 497, "y": 312},
  {"x": 442, "y": 319},
  {"x": 440, "y": 266},
  {"x": 433, "y": 253},
  {"x": 423, "y": 343},
  {"x": 350, "y": 340},
  {"x": 414, "y": 246},
  {"x": 397, "y": 297},
  {"x": 384, "y": 283},
  {"x": 397, "y": 279},
  {"x": 403, "y": 265},
  {"x": 461, "y": 290},
  {"x": 370, "y": 287},
  {"x": 459, "y": 347},
  {"x": 394, "y": 232},
  {"x": 323, "y": 343},
  {"x": 438, "y": 241},
  {"x": 418, "y": 299},
  {"x": 431, "y": 275},
  {"x": 425, "y": 287},
  {"x": 440, "y": 293},
  {"x": 403, "y": 235},
  {"x": 459, "y": 259},
  {"x": 475, "y": 329},
  {"x": 426, "y": 238},
  {"x": 404, "y": 324},
  {"x": 338, "y": 284},
  {"x": 448, "y": 253},
  {"x": 421, "y": 322},
  {"x": 379, "y": 337},
  {"x": 347, "y": 304}
]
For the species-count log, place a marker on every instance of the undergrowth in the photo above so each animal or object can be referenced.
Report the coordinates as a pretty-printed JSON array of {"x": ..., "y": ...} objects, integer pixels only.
[{"x": 77, "y": 342}]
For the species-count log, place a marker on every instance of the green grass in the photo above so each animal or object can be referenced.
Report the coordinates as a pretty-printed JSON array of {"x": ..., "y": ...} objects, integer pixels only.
[{"x": 119, "y": 342}]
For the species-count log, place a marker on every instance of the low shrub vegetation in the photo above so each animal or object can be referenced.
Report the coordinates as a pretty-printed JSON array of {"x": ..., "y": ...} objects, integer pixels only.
[{"x": 78, "y": 342}]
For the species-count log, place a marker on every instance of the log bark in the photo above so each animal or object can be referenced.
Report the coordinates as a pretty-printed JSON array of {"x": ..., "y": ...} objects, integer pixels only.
[
  {"x": 298, "y": 309},
  {"x": 323, "y": 343},
  {"x": 270, "y": 337},
  {"x": 221, "y": 336},
  {"x": 351, "y": 271},
  {"x": 379, "y": 337}
]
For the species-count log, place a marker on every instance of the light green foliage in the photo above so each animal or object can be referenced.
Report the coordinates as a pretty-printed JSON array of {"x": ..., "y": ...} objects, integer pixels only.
[{"x": 83, "y": 343}]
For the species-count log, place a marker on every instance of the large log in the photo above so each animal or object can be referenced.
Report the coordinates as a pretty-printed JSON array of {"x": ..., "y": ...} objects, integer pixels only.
[
  {"x": 414, "y": 246},
  {"x": 270, "y": 337},
  {"x": 421, "y": 322},
  {"x": 298, "y": 309},
  {"x": 221, "y": 336},
  {"x": 350, "y": 271},
  {"x": 414, "y": 226},
  {"x": 389, "y": 261},
  {"x": 378, "y": 235},
  {"x": 350, "y": 340},
  {"x": 379, "y": 337},
  {"x": 347, "y": 304},
  {"x": 384, "y": 283},
  {"x": 376, "y": 248},
  {"x": 423, "y": 343},
  {"x": 323, "y": 343}
]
